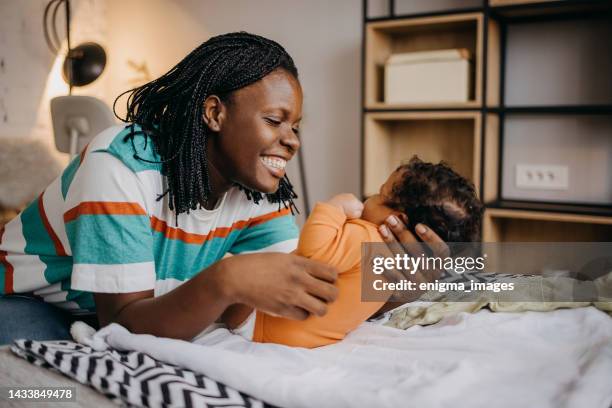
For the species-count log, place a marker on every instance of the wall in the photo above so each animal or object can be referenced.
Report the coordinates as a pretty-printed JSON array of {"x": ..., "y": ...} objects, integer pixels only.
[{"x": 30, "y": 74}]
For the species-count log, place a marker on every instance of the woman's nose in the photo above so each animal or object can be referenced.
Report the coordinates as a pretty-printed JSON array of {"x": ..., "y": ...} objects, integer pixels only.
[{"x": 290, "y": 140}]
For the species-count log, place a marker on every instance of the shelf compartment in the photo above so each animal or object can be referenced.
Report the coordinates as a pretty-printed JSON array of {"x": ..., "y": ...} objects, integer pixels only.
[
  {"x": 580, "y": 143},
  {"x": 503, "y": 225},
  {"x": 559, "y": 62},
  {"x": 384, "y": 38},
  {"x": 391, "y": 138}
]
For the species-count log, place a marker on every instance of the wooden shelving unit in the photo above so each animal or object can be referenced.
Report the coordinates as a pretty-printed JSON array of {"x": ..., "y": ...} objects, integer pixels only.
[{"x": 471, "y": 136}]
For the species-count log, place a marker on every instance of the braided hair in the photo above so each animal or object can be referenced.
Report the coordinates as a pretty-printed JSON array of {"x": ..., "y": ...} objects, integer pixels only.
[
  {"x": 435, "y": 195},
  {"x": 169, "y": 110}
]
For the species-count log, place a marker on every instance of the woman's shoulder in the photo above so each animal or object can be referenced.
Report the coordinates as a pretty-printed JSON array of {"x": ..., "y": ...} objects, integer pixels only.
[{"x": 128, "y": 144}]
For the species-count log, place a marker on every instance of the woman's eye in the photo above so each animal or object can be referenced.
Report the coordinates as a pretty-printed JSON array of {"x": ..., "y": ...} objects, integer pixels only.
[
  {"x": 296, "y": 131},
  {"x": 273, "y": 121}
]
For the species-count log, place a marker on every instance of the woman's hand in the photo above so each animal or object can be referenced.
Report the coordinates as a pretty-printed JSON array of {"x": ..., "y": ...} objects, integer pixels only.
[
  {"x": 400, "y": 240},
  {"x": 279, "y": 284},
  {"x": 397, "y": 236},
  {"x": 352, "y": 207}
]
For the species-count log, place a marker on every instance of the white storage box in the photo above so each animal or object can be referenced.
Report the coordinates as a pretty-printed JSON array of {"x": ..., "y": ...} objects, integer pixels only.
[{"x": 440, "y": 76}]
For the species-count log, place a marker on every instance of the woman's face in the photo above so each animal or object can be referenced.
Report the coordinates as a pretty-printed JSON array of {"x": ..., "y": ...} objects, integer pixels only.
[{"x": 257, "y": 132}]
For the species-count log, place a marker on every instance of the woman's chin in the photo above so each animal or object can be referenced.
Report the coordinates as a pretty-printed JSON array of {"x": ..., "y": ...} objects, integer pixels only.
[
  {"x": 264, "y": 187},
  {"x": 261, "y": 179},
  {"x": 270, "y": 189}
]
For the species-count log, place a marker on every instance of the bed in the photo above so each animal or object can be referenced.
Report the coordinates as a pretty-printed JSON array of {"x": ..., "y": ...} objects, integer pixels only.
[{"x": 561, "y": 358}]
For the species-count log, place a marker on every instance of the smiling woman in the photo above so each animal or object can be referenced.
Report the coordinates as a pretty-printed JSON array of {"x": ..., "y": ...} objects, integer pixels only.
[{"x": 137, "y": 227}]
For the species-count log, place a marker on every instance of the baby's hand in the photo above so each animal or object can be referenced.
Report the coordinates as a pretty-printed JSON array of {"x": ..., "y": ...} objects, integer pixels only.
[{"x": 351, "y": 206}]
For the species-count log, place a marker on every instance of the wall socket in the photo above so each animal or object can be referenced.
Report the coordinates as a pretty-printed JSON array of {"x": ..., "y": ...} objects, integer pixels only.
[{"x": 542, "y": 176}]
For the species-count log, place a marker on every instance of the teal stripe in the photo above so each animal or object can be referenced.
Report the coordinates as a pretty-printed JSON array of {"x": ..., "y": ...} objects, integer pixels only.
[
  {"x": 110, "y": 239},
  {"x": 69, "y": 174},
  {"x": 179, "y": 260},
  {"x": 124, "y": 151},
  {"x": 268, "y": 233},
  {"x": 59, "y": 268},
  {"x": 85, "y": 300},
  {"x": 2, "y": 271},
  {"x": 38, "y": 242},
  {"x": 2, "y": 278}
]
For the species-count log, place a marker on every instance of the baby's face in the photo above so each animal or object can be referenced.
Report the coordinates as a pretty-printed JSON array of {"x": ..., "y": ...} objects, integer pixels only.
[{"x": 374, "y": 208}]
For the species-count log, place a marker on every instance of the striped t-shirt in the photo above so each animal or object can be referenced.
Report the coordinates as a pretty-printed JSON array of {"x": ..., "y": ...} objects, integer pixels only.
[{"x": 99, "y": 228}]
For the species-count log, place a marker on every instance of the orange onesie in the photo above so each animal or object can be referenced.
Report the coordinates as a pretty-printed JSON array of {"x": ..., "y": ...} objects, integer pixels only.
[{"x": 327, "y": 236}]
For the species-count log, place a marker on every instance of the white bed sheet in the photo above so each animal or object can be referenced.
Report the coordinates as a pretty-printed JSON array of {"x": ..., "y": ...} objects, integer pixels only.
[{"x": 532, "y": 359}]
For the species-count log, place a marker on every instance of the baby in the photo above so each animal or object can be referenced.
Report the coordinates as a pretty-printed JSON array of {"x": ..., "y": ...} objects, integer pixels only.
[{"x": 416, "y": 192}]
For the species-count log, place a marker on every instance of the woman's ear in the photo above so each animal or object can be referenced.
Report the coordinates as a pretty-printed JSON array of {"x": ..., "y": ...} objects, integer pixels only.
[{"x": 213, "y": 113}]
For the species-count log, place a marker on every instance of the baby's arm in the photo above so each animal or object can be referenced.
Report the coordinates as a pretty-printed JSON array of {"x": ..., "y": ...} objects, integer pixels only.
[
  {"x": 328, "y": 238},
  {"x": 349, "y": 204}
]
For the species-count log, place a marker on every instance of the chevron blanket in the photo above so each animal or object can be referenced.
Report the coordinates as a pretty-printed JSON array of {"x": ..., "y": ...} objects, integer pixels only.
[{"x": 132, "y": 378}]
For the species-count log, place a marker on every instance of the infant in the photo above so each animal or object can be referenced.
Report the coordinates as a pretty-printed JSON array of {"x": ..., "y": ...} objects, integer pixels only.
[{"x": 416, "y": 192}]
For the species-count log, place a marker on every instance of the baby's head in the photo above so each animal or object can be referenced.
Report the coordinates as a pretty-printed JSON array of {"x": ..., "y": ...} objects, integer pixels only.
[{"x": 431, "y": 194}]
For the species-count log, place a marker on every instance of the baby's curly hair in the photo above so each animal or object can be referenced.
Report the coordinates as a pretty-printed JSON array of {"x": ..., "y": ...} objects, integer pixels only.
[{"x": 435, "y": 195}]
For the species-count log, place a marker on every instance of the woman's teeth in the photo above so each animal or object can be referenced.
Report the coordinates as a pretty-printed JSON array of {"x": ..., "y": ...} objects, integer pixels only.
[{"x": 274, "y": 162}]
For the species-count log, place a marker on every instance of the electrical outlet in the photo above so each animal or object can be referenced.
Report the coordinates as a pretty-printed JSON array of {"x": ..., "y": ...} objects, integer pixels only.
[{"x": 542, "y": 176}]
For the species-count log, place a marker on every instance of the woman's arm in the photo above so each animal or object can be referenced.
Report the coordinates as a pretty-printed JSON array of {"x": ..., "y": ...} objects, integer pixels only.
[{"x": 280, "y": 284}]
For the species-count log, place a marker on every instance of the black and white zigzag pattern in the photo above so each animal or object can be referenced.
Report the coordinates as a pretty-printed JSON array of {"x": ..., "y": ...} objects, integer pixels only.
[{"x": 132, "y": 378}]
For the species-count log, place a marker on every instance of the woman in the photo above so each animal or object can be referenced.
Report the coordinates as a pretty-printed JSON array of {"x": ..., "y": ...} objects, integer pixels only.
[{"x": 136, "y": 228}]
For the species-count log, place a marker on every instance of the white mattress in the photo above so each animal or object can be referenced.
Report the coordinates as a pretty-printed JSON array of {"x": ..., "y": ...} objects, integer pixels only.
[{"x": 555, "y": 359}]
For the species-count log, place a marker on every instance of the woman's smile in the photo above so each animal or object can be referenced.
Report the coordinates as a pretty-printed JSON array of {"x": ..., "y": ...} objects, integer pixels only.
[{"x": 275, "y": 164}]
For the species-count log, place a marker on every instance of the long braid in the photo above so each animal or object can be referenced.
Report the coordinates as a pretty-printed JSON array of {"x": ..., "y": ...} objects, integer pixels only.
[{"x": 169, "y": 110}]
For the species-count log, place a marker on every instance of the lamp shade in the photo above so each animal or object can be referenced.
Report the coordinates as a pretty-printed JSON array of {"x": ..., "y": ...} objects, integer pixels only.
[
  {"x": 84, "y": 64},
  {"x": 85, "y": 115}
]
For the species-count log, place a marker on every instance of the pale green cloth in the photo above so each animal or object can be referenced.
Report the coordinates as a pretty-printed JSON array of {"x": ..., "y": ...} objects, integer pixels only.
[{"x": 546, "y": 289}]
